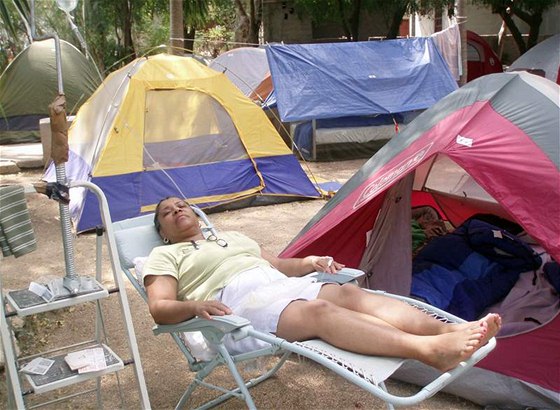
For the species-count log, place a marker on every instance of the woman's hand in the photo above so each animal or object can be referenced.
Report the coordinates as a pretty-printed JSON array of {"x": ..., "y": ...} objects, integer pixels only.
[
  {"x": 434, "y": 228},
  {"x": 325, "y": 264},
  {"x": 207, "y": 308},
  {"x": 302, "y": 266}
]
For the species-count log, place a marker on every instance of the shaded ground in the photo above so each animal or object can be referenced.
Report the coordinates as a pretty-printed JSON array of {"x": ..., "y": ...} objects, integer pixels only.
[{"x": 298, "y": 385}]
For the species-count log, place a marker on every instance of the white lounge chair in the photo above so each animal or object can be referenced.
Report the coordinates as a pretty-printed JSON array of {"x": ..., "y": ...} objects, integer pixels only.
[{"x": 135, "y": 237}]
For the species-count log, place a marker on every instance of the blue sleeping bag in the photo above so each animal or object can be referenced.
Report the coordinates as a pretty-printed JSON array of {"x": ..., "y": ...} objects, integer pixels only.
[{"x": 471, "y": 268}]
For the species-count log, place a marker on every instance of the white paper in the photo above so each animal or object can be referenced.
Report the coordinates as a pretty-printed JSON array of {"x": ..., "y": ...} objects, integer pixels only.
[
  {"x": 56, "y": 286},
  {"x": 88, "y": 360},
  {"x": 468, "y": 142},
  {"x": 497, "y": 234},
  {"x": 39, "y": 365},
  {"x": 76, "y": 360},
  {"x": 41, "y": 290}
]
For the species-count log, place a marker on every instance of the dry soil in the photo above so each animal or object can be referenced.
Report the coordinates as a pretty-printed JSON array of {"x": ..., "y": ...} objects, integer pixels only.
[{"x": 300, "y": 384}]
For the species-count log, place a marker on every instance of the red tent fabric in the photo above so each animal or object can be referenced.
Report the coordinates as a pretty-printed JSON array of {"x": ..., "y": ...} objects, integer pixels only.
[
  {"x": 491, "y": 146},
  {"x": 481, "y": 59}
]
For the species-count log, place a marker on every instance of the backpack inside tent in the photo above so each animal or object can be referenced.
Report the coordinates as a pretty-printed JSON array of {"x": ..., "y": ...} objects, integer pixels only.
[
  {"x": 486, "y": 160},
  {"x": 29, "y": 84},
  {"x": 168, "y": 125}
]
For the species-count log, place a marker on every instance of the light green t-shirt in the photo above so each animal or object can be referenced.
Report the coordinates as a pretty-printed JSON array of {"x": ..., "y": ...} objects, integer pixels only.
[{"x": 202, "y": 272}]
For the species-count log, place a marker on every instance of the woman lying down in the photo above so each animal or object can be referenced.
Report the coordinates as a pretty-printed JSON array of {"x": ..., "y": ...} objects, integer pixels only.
[{"x": 230, "y": 274}]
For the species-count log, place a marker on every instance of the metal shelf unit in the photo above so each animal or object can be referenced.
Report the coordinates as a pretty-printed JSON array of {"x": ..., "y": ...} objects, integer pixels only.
[{"x": 21, "y": 303}]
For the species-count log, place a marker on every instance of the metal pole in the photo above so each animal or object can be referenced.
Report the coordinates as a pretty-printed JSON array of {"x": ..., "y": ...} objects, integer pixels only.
[
  {"x": 462, "y": 22},
  {"x": 71, "y": 281}
]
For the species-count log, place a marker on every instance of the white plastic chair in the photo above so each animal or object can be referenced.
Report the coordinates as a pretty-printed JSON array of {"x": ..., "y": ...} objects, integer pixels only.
[{"x": 135, "y": 237}]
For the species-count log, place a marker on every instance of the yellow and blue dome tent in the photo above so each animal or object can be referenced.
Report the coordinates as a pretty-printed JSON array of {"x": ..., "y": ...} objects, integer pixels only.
[{"x": 168, "y": 125}]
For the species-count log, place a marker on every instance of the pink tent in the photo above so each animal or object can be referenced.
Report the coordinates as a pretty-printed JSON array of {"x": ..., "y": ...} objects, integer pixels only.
[{"x": 492, "y": 146}]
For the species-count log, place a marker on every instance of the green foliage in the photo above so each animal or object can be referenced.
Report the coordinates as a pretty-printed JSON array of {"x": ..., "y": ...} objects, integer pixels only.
[
  {"x": 213, "y": 41},
  {"x": 103, "y": 24},
  {"x": 333, "y": 10},
  {"x": 195, "y": 13},
  {"x": 347, "y": 12},
  {"x": 217, "y": 33},
  {"x": 221, "y": 13},
  {"x": 151, "y": 26},
  {"x": 7, "y": 20},
  {"x": 529, "y": 11},
  {"x": 13, "y": 33}
]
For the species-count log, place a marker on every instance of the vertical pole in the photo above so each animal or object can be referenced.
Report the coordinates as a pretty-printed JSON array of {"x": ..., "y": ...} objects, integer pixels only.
[
  {"x": 176, "y": 42},
  {"x": 71, "y": 281},
  {"x": 13, "y": 385},
  {"x": 462, "y": 21}
]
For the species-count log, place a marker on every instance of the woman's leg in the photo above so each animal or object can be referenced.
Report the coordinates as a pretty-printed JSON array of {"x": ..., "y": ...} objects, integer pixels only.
[
  {"x": 395, "y": 312},
  {"x": 357, "y": 332}
]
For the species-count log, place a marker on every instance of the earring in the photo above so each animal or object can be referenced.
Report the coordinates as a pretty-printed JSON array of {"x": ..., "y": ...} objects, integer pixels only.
[{"x": 165, "y": 241}]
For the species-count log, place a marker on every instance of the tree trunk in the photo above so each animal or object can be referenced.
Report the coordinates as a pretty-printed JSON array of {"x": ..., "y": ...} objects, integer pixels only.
[
  {"x": 342, "y": 14},
  {"x": 243, "y": 23},
  {"x": 256, "y": 16},
  {"x": 533, "y": 21},
  {"x": 188, "y": 35},
  {"x": 355, "y": 20},
  {"x": 516, "y": 34},
  {"x": 534, "y": 29},
  {"x": 396, "y": 20},
  {"x": 176, "y": 25},
  {"x": 125, "y": 13}
]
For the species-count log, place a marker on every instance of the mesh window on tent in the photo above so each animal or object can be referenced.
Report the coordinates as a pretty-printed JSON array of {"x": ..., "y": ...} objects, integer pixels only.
[{"x": 178, "y": 126}]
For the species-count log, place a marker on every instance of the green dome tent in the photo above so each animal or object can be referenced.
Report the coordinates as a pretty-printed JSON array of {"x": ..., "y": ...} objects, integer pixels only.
[{"x": 29, "y": 84}]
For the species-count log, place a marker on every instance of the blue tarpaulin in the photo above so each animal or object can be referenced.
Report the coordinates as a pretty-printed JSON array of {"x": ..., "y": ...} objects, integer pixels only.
[{"x": 313, "y": 81}]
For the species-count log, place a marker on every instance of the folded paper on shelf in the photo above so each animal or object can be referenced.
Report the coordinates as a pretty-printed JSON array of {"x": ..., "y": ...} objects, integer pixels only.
[
  {"x": 42, "y": 291},
  {"x": 39, "y": 365},
  {"x": 88, "y": 360}
]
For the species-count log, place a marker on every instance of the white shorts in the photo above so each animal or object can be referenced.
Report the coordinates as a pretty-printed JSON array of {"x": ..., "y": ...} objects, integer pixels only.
[{"x": 261, "y": 295}]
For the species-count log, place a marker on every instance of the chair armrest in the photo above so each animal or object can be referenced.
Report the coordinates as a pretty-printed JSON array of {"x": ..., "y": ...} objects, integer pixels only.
[
  {"x": 344, "y": 275},
  {"x": 223, "y": 324}
]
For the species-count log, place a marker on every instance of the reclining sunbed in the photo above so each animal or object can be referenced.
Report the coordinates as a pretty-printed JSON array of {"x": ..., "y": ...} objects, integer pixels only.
[{"x": 133, "y": 239}]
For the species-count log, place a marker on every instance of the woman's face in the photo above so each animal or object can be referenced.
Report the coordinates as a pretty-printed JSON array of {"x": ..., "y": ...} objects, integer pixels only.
[{"x": 177, "y": 219}]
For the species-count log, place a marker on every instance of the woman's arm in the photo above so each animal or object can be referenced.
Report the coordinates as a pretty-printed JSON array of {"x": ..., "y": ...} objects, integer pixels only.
[
  {"x": 166, "y": 309},
  {"x": 302, "y": 266}
]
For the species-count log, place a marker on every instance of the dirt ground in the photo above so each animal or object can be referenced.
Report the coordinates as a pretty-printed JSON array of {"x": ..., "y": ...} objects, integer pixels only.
[{"x": 298, "y": 385}]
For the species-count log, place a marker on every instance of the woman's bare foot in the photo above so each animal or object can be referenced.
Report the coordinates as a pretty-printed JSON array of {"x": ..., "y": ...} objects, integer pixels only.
[
  {"x": 494, "y": 324},
  {"x": 487, "y": 321},
  {"x": 449, "y": 349}
]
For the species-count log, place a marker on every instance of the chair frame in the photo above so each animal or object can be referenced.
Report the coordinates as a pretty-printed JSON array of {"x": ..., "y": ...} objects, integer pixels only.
[{"x": 216, "y": 329}]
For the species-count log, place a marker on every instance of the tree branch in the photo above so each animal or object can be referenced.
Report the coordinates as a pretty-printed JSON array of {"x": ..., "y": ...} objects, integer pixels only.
[
  {"x": 518, "y": 38},
  {"x": 396, "y": 20},
  {"x": 343, "y": 19}
]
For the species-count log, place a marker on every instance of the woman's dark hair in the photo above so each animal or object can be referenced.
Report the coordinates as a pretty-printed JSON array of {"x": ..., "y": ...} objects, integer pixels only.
[
  {"x": 156, "y": 214},
  {"x": 157, "y": 224}
]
